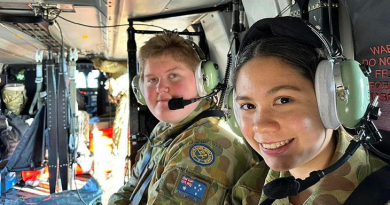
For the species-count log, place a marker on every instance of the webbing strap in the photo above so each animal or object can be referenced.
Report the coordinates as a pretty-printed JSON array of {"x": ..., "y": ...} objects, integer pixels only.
[
  {"x": 72, "y": 89},
  {"x": 38, "y": 81},
  {"x": 374, "y": 189},
  {"x": 73, "y": 120},
  {"x": 3, "y": 175},
  {"x": 72, "y": 96},
  {"x": 145, "y": 162},
  {"x": 138, "y": 196},
  {"x": 52, "y": 124},
  {"x": 204, "y": 114},
  {"x": 3, "y": 122},
  {"x": 62, "y": 130}
]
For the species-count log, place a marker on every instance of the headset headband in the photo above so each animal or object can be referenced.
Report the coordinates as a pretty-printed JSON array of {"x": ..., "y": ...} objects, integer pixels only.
[
  {"x": 198, "y": 51},
  {"x": 287, "y": 26}
]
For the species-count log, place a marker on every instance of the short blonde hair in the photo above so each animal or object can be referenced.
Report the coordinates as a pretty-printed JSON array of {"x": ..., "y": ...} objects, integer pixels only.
[{"x": 168, "y": 44}]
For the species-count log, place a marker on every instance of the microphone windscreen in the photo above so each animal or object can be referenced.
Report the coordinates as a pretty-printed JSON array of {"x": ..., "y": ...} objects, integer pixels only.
[
  {"x": 281, "y": 188},
  {"x": 175, "y": 103}
]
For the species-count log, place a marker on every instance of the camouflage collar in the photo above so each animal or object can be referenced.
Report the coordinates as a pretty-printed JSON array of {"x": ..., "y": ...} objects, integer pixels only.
[
  {"x": 203, "y": 105},
  {"x": 163, "y": 130},
  {"x": 338, "y": 185}
]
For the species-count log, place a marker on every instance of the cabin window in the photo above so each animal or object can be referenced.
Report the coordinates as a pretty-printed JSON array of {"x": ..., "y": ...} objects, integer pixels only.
[
  {"x": 87, "y": 80},
  {"x": 93, "y": 79},
  {"x": 80, "y": 80}
]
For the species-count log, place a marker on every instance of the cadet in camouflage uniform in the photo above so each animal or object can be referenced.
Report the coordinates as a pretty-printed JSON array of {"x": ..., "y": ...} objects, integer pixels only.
[
  {"x": 333, "y": 189},
  {"x": 276, "y": 108},
  {"x": 205, "y": 160}
]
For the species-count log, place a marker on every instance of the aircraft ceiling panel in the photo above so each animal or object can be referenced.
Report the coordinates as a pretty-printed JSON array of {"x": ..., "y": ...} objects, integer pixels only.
[
  {"x": 136, "y": 9},
  {"x": 111, "y": 42},
  {"x": 180, "y": 5},
  {"x": 176, "y": 23},
  {"x": 18, "y": 1},
  {"x": 122, "y": 10},
  {"x": 143, "y": 8},
  {"x": 74, "y": 2},
  {"x": 17, "y": 44},
  {"x": 256, "y": 10},
  {"x": 12, "y": 58},
  {"x": 87, "y": 40}
]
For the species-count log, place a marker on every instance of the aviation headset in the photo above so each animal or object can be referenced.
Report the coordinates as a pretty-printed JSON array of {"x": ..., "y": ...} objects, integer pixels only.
[
  {"x": 341, "y": 86},
  {"x": 230, "y": 115},
  {"x": 206, "y": 76}
]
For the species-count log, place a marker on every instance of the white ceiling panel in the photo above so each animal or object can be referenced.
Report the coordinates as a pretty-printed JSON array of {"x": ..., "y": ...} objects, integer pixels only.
[{"x": 108, "y": 42}]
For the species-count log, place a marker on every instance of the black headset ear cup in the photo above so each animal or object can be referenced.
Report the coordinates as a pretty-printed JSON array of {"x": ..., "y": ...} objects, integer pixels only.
[
  {"x": 326, "y": 94},
  {"x": 136, "y": 85}
]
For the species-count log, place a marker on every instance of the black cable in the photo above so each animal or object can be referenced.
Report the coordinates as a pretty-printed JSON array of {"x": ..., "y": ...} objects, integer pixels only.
[
  {"x": 379, "y": 153},
  {"x": 150, "y": 140},
  {"x": 340, "y": 50},
  {"x": 53, "y": 73},
  {"x": 62, "y": 49},
  {"x": 330, "y": 21},
  {"x": 89, "y": 26},
  {"x": 227, "y": 73},
  {"x": 59, "y": 81},
  {"x": 67, "y": 91},
  {"x": 20, "y": 190},
  {"x": 300, "y": 185},
  {"x": 74, "y": 153},
  {"x": 77, "y": 190}
]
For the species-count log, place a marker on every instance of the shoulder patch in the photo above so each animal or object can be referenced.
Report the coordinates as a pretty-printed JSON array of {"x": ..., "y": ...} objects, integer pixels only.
[
  {"x": 191, "y": 189},
  {"x": 202, "y": 154}
]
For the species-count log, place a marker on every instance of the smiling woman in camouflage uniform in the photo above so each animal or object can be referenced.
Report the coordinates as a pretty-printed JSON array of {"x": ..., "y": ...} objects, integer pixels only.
[
  {"x": 204, "y": 160},
  {"x": 277, "y": 111}
]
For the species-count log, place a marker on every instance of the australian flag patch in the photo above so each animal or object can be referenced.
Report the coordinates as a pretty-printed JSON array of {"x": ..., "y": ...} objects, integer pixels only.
[{"x": 191, "y": 189}]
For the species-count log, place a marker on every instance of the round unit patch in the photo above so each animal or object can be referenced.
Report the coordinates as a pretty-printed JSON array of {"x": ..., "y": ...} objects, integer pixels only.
[{"x": 202, "y": 154}]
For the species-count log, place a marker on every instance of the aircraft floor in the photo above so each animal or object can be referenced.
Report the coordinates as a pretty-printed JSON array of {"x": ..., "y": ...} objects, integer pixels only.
[{"x": 20, "y": 191}]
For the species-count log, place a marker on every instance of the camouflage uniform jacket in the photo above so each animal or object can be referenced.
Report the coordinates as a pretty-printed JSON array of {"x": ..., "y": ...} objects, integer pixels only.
[
  {"x": 333, "y": 189},
  {"x": 200, "y": 166}
]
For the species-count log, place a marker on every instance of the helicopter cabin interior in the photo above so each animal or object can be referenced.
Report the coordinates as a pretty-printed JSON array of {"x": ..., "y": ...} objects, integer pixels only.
[{"x": 70, "y": 63}]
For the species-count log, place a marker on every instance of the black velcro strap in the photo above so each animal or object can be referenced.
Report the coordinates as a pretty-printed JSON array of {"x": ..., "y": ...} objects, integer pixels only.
[
  {"x": 208, "y": 113},
  {"x": 20, "y": 19},
  {"x": 51, "y": 113},
  {"x": 374, "y": 189},
  {"x": 3, "y": 124},
  {"x": 62, "y": 131}
]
